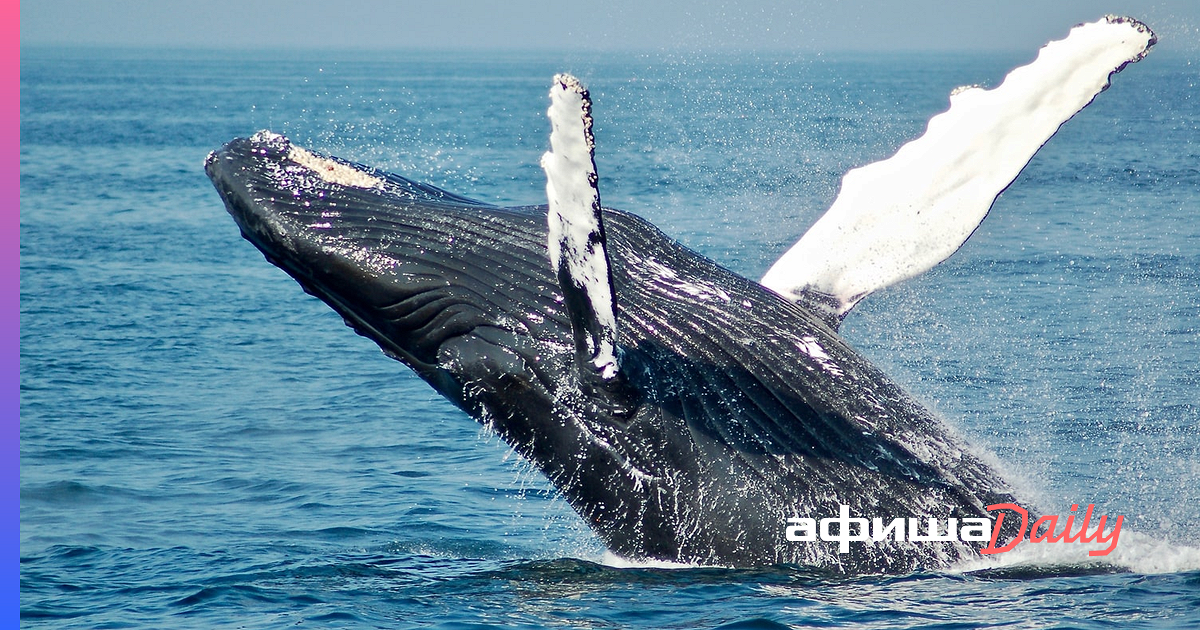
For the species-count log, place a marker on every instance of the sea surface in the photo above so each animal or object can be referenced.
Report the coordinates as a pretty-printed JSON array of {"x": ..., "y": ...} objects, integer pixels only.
[{"x": 205, "y": 446}]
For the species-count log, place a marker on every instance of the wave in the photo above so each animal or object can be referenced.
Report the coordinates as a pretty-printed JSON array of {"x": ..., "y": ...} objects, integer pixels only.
[{"x": 1136, "y": 553}]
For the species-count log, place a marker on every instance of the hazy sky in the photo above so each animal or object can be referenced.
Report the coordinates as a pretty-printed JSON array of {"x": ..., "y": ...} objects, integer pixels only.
[{"x": 598, "y": 24}]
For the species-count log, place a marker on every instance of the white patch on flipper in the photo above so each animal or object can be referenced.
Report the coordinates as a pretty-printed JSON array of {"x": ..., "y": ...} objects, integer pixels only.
[
  {"x": 898, "y": 218},
  {"x": 574, "y": 216}
]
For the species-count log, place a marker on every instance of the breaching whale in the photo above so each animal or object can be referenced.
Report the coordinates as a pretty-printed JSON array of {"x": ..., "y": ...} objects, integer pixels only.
[{"x": 685, "y": 412}]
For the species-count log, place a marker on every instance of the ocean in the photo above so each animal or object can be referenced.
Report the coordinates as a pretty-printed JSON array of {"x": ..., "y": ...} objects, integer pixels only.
[{"x": 205, "y": 446}]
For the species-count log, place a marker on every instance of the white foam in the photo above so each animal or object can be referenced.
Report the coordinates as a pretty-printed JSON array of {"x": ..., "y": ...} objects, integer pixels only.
[
  {"x": 611, "y": 559},
  {"x": 1134, "y": 552}
]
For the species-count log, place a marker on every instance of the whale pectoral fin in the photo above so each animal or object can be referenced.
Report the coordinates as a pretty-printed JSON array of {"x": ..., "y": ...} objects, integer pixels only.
[
  {"x": 898, "y": 218},
  {"x": 578, "y": 253}
]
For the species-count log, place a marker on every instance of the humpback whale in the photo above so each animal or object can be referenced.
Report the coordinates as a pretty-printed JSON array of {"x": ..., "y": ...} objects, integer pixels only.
[{"x": 684, "y": 412}]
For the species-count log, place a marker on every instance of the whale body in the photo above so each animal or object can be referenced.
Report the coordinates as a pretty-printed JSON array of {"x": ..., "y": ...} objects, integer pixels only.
[
  {"x": 685, "y": 412},
  {"x": 741, "y": 409}
]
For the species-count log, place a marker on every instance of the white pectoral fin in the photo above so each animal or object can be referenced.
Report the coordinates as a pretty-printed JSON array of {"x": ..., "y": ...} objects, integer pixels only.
[
  {"x": 576, "y": 230},
  {"x": 898, "y": 218}
]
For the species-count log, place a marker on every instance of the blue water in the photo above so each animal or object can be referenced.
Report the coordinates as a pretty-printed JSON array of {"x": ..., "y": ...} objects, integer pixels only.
[{"x": 203, "y": 445}]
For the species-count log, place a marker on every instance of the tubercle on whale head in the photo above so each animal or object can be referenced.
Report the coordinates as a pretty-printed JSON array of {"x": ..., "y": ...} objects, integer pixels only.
[{"x": 333, "y": 171}]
